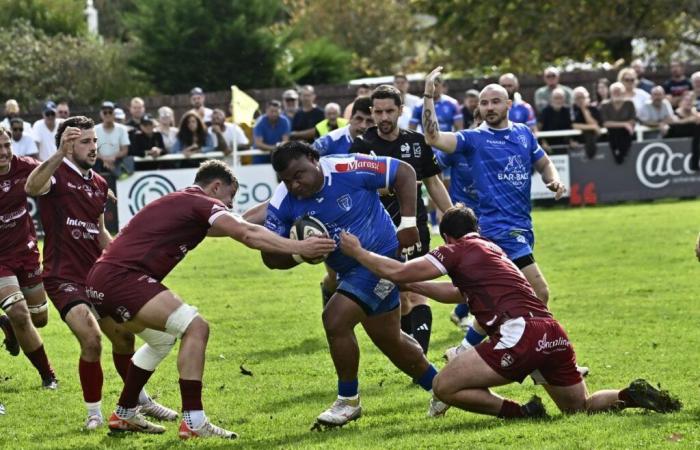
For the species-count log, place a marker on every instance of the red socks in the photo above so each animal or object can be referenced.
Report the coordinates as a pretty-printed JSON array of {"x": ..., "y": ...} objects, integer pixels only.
[
  {"x": 39, "y": 360},
  {"x": 134, "y": 382},
  {"x": 121, "y": 363},
  {"x": 191, "y": 392},
  {"x": 510, "y": 410},
  {"x": 91, "y": 380}
]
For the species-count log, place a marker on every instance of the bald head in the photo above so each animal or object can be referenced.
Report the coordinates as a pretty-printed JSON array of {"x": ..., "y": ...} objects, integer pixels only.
[
  {"x": 510, "y": 83},
  {"x": 494, "y": 88}
]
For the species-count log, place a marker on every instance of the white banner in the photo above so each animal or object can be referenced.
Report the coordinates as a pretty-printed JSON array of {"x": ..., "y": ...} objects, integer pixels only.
[
  {"x": 257, "y": 183},
  {"x": 539, "y": 191}
]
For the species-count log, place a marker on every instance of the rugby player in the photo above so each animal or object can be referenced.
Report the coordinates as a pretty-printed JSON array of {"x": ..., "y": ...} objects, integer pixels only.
[
  {"x": 525, "y": 339},
  {"x": 341, "y": 192},
  {"x": 72, "y": 199},
  {"x": 387, "y": 139},
  {"x": 126, "y": 285},
  {"x": 501, "y": 155},
  {"x": 22, "y": 295}
]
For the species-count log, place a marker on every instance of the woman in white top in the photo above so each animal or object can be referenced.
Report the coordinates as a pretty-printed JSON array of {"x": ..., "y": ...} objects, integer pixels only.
[
  {"x": 628, "y": 77},
  {"x": 166, "y": 122}
]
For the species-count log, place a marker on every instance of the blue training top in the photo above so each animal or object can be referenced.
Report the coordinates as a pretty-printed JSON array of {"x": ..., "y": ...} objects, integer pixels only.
[
  {"x": 502, "y": 161},
  {"x": 348, "y": 201},
  {"x": 462, "y": 188},
  {"x": 446, "y": 110},
  {"x": 337, "y": 142}
]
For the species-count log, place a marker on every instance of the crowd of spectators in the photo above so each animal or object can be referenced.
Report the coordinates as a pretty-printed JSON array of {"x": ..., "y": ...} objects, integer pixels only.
[{"x": 611, "y": 113}]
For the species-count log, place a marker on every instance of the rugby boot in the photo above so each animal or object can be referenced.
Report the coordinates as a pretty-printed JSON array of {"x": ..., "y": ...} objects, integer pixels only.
[
  {"x": 342, "y": 411},
  {"x": 157, "y": 411},
  {"x": 437, "y": 408},
  {"x": 534, "y": 408},
  {"x": 94, "y": 421},
  {"x": 208, "y": 429},
  {"x": 136, "y": 423},
  {"x": 646, "y": 396}
]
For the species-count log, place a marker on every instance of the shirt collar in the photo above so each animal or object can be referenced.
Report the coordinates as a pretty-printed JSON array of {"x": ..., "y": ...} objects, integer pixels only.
[
  {"x": 90, "y": 172},
  {"x": 485, "y": 127}
]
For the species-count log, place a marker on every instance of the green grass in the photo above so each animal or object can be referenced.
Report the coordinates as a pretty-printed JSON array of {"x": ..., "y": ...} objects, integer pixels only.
[{"x": 624, "y": 283}]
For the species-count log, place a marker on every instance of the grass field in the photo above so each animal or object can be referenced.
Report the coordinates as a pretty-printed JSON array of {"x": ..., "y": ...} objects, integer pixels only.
[{"x": 624, "y": 282}]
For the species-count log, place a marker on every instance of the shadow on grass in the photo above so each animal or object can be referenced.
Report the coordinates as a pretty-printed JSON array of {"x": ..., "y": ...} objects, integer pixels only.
[{"x": 305, "y": 347}]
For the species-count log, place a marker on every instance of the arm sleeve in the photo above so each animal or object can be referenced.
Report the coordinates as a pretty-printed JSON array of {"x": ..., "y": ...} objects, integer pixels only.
[
  {"x": 443, "y": 258},
  {"x": 321, "y": 145},
  {"x": 374, "y": 172},
  {"x": 124, "y": 137},
  {"x": 278, "y": 219},
  {"x": 241, "y": 138},
  {"x": 429, "y": 162},
  {"x": 465, "y": 141},
  {"x": 536, "y": 151}
]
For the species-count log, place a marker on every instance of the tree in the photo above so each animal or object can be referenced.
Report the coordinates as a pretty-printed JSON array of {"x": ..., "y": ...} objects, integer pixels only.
[
  {"x": 51, "y": 16},
  {"x": 212, "y": 44},
  {"x": 319, "y": 62}
]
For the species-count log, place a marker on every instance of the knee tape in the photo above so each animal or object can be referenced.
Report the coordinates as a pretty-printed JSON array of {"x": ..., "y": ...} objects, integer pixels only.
[
  {"x": 180, "y": 319},
  {"x": 38, "y": 309},
  {"x": 156, "y": 348},
  {"x": 10, "y": 300}
]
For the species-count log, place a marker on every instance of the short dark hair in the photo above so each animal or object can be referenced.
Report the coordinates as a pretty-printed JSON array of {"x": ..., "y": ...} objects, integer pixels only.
[
  {"x": 212, "y": 170},
  {"x": 17, "y": 120},
  {"x": 458, "y": 221},
  {"x": 362, "y": 104},
  {"x": 288, "y": 151},
  {"x": 387, "y": 91},
  {"x": 5, "y": 131},
  {"x": 82, "y": 122},
  {"x": 275, "y": 103}
]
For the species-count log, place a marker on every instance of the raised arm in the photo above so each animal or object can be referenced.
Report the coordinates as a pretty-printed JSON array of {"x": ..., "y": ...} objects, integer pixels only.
[
  {"x": 550, "y": 176},
  {"x": 446, "y": 142},
  {"x": 39, "y": 181}
]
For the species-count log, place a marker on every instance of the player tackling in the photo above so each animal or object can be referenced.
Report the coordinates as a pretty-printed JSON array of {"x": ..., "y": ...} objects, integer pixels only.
[
  {"x": 126, "y": 284},
  {"x": 524, "y": 337}
]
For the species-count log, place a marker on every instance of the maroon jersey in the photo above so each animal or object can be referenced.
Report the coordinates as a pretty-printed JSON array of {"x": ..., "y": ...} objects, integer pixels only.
[
  {"x": 70, "y": 213},
  {"x": 159, "y": 236},
  {"x": 17, "y": 234},
  {"x": 494, "y": 287}
]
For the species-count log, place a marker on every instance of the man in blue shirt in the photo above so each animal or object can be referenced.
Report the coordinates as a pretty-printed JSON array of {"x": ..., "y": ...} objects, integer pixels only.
[
  {"x": 341, "y": 192},
  {"x": 520, "y": 111},
  {"x": 502, "y": 155},
  {"x": 270, "y": 130},
  {"x": 338, "y": 142}
]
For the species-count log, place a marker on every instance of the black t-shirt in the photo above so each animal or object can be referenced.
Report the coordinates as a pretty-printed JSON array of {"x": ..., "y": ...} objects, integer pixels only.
[
  {"x": 677, "y": 88},
  {"x": 140, "y": 142},
  {"x": 468, "y": 117},
  {"x": 303, "y": 120},
  {"x": 595, "y": 113},
  {"x": 409, "y": 147}
]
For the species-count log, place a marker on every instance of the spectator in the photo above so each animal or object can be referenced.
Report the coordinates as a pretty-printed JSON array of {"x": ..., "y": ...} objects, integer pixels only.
[
  {"x": 307, "y": 117},
  {"x": 695, "y": 81},
  {"x": 520, "y": 111},
  {"x": 119, "y": 116},
  {"x": 112, "y": 143},
  {"x": 544, "y": 93},
  {"x": 192, "y": 137},
  {"x": 197, "y": 101},
  {"x": 62, "y": 110},
  {"x": 447, "y": 110},
  {"x": 470, "y": 104},
  {"x": 44, "y": 131},
  {"x": 137, "y": 108},
  {"x": 410, "y": 101},
  {"x": 688, "y": 125},
  {"x": 338, "y": 142},
  {"x": 618, "y": 116},
  {"x": 271, "y": 130},
  {"x": 290, "y": 103},
  {"x": 657, "y": 112},
  {"x": 332, "y": 121},
  {"x": 628, "y": 78},
  {"x": 166, "y": 127},
  {"x": 12, "y": 110},
  {"x": 225, "y": 133},
  {"x": 678, "y": 84},
  {"x": 586, "y": 118},
  {"x": 642, "y": 83},
  {"x": 602, "y": 92},
  {"x": 146, "y": 141},
  {"x": 555, "y": 116},
  {"x": 22, "y": 144},
  {"x": 363, "y": 90}
]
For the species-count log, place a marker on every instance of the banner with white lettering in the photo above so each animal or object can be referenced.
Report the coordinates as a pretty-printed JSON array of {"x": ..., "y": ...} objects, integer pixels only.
[
  {"x": 257, "y": 183},
  {"x": 653, "y": 169},
  {"x": 539, "y": 191}
]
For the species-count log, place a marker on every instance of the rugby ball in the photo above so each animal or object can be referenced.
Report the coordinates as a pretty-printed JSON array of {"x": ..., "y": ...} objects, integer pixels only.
[{"x": 305, "y": 227}]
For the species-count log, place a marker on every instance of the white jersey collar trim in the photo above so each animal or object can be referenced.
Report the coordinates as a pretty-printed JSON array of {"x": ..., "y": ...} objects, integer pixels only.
[{"x": 90, "y": 172}]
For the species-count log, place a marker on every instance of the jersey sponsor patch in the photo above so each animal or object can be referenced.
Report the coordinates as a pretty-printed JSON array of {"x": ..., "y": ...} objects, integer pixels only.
[{"x": 361, "y": 165}]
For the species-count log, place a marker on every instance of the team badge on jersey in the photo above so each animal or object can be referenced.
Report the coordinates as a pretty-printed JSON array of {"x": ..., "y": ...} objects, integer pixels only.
[
  {"x": 5, "y": 186},
  {"x": 345, "y": 202},
  {"x": 417, "y": 151},
  {"x": 523, "y": 140},
  {"x": 405, "y": 150},
  {"x": 507, "y": 360}
]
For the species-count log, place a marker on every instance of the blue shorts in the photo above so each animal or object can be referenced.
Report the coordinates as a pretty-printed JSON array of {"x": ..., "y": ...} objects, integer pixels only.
[
  {"x": 374, "y": 295},
  {"x": 515, "y": 243}
]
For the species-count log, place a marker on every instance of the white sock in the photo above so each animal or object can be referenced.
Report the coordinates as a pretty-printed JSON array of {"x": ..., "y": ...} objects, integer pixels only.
[
  {"x": 125, "y": 413},
  {"x": 194, "y": 418},
  {"x": 144, "y": 399},
  {"x": 354, "y": 397},
  {"x": 94, "y": 409},
  {"x": 466, "y": 343}
]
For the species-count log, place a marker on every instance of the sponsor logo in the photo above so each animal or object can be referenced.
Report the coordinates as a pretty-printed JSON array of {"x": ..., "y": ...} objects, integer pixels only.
[
  {"x": 345, "y": 202},
  {"x": 68, "y": 288},
  {"x": 544, "y": 344},
  {"x": 320, "y": 199},
  {"x": 147, "y": 279},
  {"x": 14, "y": 215},
  {"x": 383, "y": 288},
  {"x": 417, "y": 150},
  {"x": 362, "y": 164},
  {"x": 492, "y": 141},
  {"x": 88, "y": 226},
  {"x": 405, "y": 150},
  {"x": 507, "y": 360},
  {"x": 146, "y": 189},
  {"x": 6, "y": 185},
  {"x": 438, "y": 255},
  {"x": 124, "y": 313},
  {"x": 94, "y": 294},
  {"x": 657, "y": 164},
  {"x": 514, "y": 172}
]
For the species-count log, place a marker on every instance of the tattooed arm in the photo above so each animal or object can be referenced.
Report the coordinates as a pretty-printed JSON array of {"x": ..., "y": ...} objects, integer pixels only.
[{"x": 444, "y": 141}]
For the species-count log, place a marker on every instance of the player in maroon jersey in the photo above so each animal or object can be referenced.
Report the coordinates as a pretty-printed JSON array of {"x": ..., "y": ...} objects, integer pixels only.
[
  {"x": 126, "y": 285},
  {"x": 524, "y": 337},
  {"x": 72, "y": 200},
  {"x": 22, "y": 295}
]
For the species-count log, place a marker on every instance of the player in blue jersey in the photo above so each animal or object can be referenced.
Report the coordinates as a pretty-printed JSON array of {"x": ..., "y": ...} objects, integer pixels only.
[
  {"x": 338, "y": 142},
  {"x": 341, "y": 192},
  {"x": 502, "y": 155},
  {"x": 520, "y": 111}
]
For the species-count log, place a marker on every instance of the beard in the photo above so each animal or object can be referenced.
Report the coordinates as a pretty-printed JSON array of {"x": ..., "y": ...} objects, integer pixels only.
[
  {"x": 386, "y": 127},
  {"x": 83, "y": 163},
  {"x": 495, "y": 118}
]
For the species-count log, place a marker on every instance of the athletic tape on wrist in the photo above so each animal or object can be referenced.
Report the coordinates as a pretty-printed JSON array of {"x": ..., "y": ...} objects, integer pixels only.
[
  {"x": 406, "y": 222},
  {"x": 298, "y": 258},
  {"x": 38, "y": 309}
]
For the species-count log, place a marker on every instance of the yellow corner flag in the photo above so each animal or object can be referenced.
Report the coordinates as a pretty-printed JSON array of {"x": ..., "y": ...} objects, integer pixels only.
[{"x": 243, "y": 106}]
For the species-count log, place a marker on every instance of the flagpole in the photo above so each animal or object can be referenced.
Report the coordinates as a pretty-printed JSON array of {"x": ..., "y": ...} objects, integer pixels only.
[{"x": 235, "y": 142}]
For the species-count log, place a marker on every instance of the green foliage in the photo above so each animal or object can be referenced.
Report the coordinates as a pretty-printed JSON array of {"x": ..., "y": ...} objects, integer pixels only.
[
  {"x": 51, "y": 16},
  {"x": 320, "y": 62},
  {"x": 84, "y": 70},
  {"x": 213, "y": 44}
]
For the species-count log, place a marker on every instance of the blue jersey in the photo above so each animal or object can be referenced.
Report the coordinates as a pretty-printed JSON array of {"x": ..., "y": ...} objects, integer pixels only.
[
  {"x": 462, "y": 188},
  {"x": 502, "y": 161},
  {"x": 337, "y": 142},
  {"x": 446, "y": 110},
  {"x": 348, "y": 201},
  {"x": 522, "y": 112}
]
